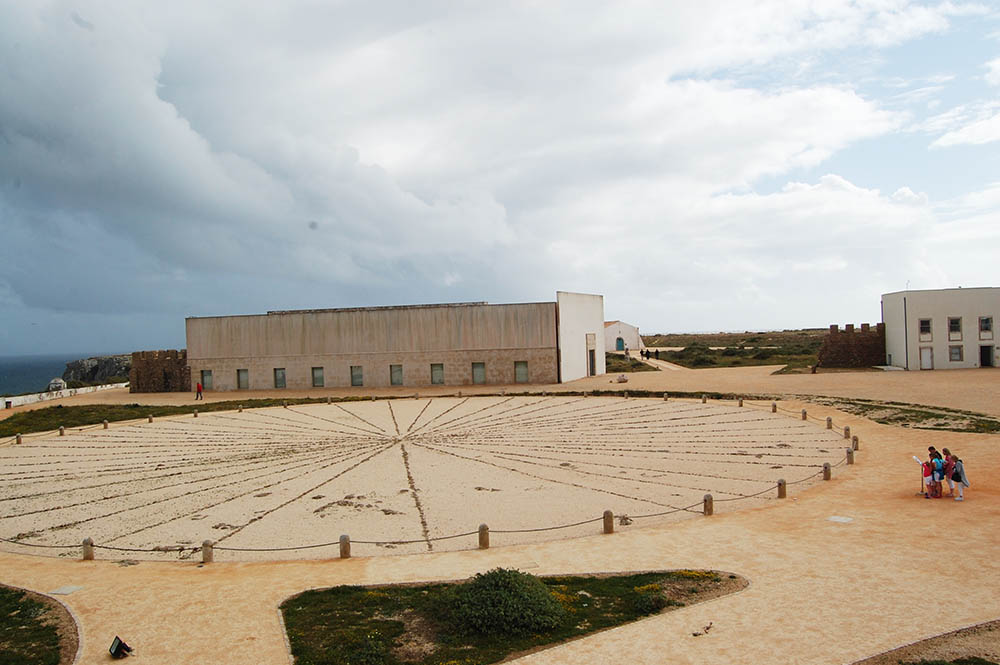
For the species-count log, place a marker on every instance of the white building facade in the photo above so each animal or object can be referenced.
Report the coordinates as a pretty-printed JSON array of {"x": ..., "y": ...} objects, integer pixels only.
[
  {"x": 619, "y": 336},
  {"x": 941, "y": 328}
]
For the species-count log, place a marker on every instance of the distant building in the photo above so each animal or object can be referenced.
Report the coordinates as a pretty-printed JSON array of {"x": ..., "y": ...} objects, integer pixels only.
[
  {"x": 56, "y": 384},
  {"x": 619, "y": 336},
  {"x": 411, "y": 345},
  {"x": 941, "y": 328}
]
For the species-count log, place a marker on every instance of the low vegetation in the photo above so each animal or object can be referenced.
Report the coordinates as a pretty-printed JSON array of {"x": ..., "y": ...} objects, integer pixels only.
[
  {"x": 30, "y": 630},
  {"x": 797, "y": 357},
  {"x": 493, "y": 616},
  {"x": 811, "y": 337},
  {"x": 617, "y": 363},
  {"x": 917, "y": 416}
]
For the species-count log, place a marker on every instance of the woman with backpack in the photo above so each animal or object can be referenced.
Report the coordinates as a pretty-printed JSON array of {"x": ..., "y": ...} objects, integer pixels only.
[{"x": 959, "y": 477}]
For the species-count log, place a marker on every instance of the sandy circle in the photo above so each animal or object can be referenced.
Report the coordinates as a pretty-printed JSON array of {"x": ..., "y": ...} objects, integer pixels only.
[{"x": 413, "y": 470}]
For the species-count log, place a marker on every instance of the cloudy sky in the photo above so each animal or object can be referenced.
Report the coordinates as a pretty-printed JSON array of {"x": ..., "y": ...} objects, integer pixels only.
[{"x": 704, "y": 165}]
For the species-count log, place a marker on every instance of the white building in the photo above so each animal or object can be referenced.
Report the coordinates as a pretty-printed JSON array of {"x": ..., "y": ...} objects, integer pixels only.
[
  {"x": 941, "y": 328},
  {"x": 619, "y": 336},
  {"x": 56, "y": 384}
]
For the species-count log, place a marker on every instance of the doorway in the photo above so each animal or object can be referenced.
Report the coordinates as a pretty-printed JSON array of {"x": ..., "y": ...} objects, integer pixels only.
[
  {"x": 926, "y": 357},
  {"x": 591, "y": 362},
  {"x": 986, "y": 356},
  {"x": 619, "y": 344}
]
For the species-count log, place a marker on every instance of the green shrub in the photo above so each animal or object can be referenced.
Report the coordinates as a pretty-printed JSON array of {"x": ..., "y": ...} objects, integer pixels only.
[
  {"x": 731, "y": 352},
  {"x": 702, "y": 361},
  {"x": 763, "y": 354},
  {"x": 504, "y": 602},
  {"x": 648, "y": 602}
]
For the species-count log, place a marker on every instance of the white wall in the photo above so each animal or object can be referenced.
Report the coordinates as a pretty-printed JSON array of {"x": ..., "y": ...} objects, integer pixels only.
[
  {"x": 902, "y": 334},
  {"x": 580, "y": 314},
  {"x": 629, "y": 334},
  {"x": 56, "y": 394}
]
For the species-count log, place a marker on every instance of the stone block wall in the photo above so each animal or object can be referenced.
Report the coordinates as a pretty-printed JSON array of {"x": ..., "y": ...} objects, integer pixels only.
[
  {"x": 160, "y": 372},
  {"x": 851, "y": 347}
]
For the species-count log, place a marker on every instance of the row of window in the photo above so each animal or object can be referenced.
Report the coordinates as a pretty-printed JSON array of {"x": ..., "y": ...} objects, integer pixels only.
[
  {"x": 955, "y": 325},
  {"x": 358, "y": 375}
]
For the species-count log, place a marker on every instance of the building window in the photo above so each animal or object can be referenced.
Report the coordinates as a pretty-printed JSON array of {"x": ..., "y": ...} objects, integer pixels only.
[
  {"x": 395, "y": 375},
  {"x": 925, "y": 326},
  {"x": 985, "y": 324},
  {"x": 520, "y": 371},
  {"x": 955, "y": 354},
  {"x": 243, "y": 379},
  {"x": 479, "y": 373},
  {"x": 279, "y": 377},
  {"x": 318, "y": 377},
  {"x": 955, "y": 324},
  {"x": 357, "y": 377},
  {"x": 437, "y": 374},
  {"x": 206, "y": 379}
]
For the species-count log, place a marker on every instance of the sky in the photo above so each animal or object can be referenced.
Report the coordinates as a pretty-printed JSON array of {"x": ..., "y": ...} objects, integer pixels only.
[{"x": 742, "y": 165}]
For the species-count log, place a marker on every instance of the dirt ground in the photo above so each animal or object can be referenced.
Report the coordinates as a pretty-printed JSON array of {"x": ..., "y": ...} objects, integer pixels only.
[
  {"x": 982, "y": 640},
  {"x": 822, "y": 590}
]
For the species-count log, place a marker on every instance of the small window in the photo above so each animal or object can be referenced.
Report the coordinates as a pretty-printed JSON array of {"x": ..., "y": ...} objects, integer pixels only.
[
  {"x": 243, "y": 379},
  {"x": 925, "y": 326},
  {"x": 520, "y": 371},
  {"x": 954, "y": 324},
  {"x": 955, "y": 354},
  {"x": 437, "y": 374},
  {"x": 395, "y": 375},
  {"x": 985, "y": 324},
  {"x": 318, "y": 377},
  {"x": 279, "y": 377},
  {"x": 357, "y": 376},
  {"x": 206, "y": 379},
  {"x": 479, "y": 373}
]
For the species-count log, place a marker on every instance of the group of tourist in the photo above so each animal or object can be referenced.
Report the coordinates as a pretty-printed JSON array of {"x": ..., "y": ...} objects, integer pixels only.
[
  {"x": 647, "y": 354},
  {"x": 940, "y": 467}
]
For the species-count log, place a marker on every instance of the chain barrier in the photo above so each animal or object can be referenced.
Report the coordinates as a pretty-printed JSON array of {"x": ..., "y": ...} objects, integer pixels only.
[{"x": 181, "y": 550}]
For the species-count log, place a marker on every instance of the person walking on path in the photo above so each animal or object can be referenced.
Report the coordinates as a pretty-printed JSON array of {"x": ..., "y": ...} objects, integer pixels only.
[
  {"x": 198, "y": 394},
  {"x": 958, "y": 475}
]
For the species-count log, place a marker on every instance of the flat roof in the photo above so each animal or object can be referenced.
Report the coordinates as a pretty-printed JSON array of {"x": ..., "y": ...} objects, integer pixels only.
[
  {"x": 378, "y": 308},
  {"x": 953, "y": 288}
]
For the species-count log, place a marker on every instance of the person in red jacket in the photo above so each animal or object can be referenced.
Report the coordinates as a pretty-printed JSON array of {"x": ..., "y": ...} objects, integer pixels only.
[{"x": 198, "y": 394}]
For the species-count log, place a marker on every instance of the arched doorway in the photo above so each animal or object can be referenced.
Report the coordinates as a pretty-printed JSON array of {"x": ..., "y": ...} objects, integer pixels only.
[{"x": 619, "y": 344}]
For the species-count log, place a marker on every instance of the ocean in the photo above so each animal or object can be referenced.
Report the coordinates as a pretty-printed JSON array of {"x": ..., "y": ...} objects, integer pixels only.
[{"x": 31, "y": 374}]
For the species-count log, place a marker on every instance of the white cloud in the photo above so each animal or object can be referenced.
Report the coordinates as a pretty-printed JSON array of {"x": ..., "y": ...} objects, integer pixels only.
[
  {"x": 993, "y": 72},
  {"x": 979, "y": 132}
]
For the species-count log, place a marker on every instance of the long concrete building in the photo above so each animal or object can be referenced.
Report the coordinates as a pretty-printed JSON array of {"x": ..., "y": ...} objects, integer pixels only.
[
  {"x": 941, "y": 328},
  {"x": 412, "y": 345}
]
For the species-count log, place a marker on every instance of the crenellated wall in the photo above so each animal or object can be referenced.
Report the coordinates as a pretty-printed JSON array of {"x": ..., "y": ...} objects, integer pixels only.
[
  {"x": 160, "y": 372},
  {"x": 851, "y": 347}
]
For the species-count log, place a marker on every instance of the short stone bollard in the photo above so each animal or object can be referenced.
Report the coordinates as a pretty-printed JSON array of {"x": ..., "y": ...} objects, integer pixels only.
[
  {"x": 782, "y": 488},
  {"x": 829, "y": 422},
  {"x": 240, "y": 409},
  {"x": 416, "y": 395},
  {"x": 62, "y": 431},
  {"x": 149, "y": 419},
  {"x": 345, "y": 547},
  {"x": 196, "y": 413},
  {"x": 17, "y": 439},
  {"x": 609, "y": 522},
  {"x": 484, "y": 537},
  {"x": 774, "y": 407},
  {"x": 460, "y": 393},
  {"x": 804, "y": 416},
  {"x": 372, "y": 398},
  {"x": 329, "y": 400},
  {"x": 850, "y": 456},
  {"x": 708, "y": 505},
  {"x": 665, "y": 396},
  {"x": 704, "y": 399},
  {"x": 284, "y": 404},
  {"x": 105, "y": 424},
  {"x": 739, "y": 402},
  {"x": 88, "y": 549},
  {"x": 626, "y": 394},
  {"x": 855, "y": 443},
  {"x": 545, "y": 393},
  {"x": 207, "y": 551},
  {"x": 847, "y": 431},
  {"x": 826, "y": 471}
]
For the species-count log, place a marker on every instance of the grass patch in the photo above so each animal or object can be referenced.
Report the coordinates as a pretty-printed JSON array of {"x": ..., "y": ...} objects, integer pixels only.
[
  {"x": 29, "y": 633},
  {"x": 484, "y": 620},
  {"x": 50, "y": 418},
  {"x": 917, "y": 416},
  {"x": 616, "y": 364},
  {"x": 811, "y": 338},
  {"x": 700, "y": 355}
]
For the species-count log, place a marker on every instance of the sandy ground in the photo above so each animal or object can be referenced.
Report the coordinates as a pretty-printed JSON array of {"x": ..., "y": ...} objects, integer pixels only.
[
  {"x": 822, "y": 590},
  {"x": 399, "y": 470}
]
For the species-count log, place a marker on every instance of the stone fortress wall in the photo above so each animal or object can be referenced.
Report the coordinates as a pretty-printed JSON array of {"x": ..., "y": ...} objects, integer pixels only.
[
  {"x": 851, "y": 347},
  {"x": 160, "y": 372}
]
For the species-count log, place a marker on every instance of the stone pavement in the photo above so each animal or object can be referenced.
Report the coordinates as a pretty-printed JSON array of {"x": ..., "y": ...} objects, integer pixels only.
[{"x": 820, "y": 591}]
